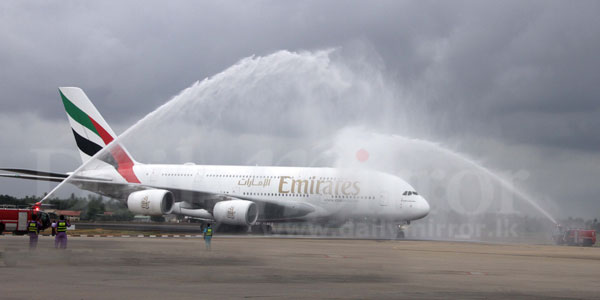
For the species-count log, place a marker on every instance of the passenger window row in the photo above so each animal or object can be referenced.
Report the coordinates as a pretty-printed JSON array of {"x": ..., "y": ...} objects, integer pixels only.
[
  {"x": 240, "y": 176},
  {"x": 303, "y": 195},
  {"x": 176, "y": 174}
]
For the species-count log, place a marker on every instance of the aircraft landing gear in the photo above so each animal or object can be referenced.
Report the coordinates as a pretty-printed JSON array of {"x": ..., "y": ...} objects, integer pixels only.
[
  {"x": 234, "y": 229},
  {"x": 265, "y": 229},
  {"x": 401, "y": 228},
  {"x": 400, "y": 235}
]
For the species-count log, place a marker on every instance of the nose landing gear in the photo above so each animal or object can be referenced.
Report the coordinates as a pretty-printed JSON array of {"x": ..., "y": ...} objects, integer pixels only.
[{"x": 401, "y": 228}]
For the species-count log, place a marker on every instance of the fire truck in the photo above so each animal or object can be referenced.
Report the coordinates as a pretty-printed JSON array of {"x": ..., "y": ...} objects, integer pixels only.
[
  {"x": 575, "y": 237},
  {"x": 16, "y": 220}
]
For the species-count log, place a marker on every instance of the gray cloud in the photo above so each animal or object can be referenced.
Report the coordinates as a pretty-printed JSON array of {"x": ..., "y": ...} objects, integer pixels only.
[{"x": 514, "y": 83}]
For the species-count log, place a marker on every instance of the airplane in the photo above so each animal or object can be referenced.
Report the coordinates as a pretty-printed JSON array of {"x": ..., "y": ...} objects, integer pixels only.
[{"x": 231, "y": 196}]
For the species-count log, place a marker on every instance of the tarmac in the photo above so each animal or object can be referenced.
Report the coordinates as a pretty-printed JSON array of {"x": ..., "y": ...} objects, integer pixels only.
[{"x": 294, "y": 268}]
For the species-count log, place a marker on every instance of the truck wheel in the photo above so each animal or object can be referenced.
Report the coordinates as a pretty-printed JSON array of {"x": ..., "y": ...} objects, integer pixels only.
[{"x": 2, "y": 226}]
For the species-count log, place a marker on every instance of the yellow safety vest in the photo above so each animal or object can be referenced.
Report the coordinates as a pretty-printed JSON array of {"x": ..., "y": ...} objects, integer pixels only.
[
  {"x": 62, "y": 226},
  {"x": 208, "y": 232},
  {"x": 32, "y": 227}
]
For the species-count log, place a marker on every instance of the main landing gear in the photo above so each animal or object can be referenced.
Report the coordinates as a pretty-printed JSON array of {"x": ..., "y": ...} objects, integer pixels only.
[{"x": 261, "y": 228}]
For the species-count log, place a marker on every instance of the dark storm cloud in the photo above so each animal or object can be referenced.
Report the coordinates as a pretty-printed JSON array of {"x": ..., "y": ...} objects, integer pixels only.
[
  {"x": 471, "y": 60},
  {"x": 523, "y": 73}
]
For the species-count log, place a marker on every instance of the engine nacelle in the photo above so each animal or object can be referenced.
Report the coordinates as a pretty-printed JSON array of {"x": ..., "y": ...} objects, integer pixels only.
[
  {"x": 151, "y": 202},
  {"x": 236, "y": 212}
]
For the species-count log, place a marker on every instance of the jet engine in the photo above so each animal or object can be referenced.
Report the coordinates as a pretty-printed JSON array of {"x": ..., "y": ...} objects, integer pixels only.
[
  {"x": 236, "y": 212},
  {"x": 151, "y": 202}
]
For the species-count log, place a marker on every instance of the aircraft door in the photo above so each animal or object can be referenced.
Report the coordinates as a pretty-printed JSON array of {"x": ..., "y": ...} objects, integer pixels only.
[
  {"x": 384, "y": 200},
  {"x": 152, "y": 174},
  {"x": 198, "y": 177}
]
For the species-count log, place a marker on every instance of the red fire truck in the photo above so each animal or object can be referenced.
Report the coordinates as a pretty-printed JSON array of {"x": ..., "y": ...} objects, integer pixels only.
[
  {"x": 575, "y": 237},
  {"x": 16, "y": 220}
]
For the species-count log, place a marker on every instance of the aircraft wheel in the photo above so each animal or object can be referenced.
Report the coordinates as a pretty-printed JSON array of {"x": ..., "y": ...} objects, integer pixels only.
[
  {"x": 224, "y": 228},
  {"x": 262, "y": 229},
  {"x": 400, "y": 235}
]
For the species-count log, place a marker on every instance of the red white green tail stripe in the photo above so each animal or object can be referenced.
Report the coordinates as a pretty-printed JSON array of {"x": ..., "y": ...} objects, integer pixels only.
[{"x": 92, "y": 133}]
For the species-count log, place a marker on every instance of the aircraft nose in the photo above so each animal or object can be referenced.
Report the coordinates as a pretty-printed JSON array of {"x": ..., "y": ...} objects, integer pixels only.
[{"x": 422, "y": 208}]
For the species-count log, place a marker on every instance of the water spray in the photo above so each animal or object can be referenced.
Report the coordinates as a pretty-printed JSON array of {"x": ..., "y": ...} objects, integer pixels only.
[
  {"x": 306, "y": 62},
  {"x": 503, "y": 182},
  {"x": 324, "y": 84},
  {"x": 114, "y": 142}
]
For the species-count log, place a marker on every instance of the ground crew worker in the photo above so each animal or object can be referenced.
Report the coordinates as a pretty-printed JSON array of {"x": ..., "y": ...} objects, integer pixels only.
[
  {"x": 53, "y": 227},
  {"x": 208, "y": 232},
  {"x": 61, "y": 232},
  {"x": 33, "y": 228}
]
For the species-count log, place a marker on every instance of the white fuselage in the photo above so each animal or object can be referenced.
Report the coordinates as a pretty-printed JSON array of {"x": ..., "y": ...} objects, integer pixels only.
[{"x": 332, "y": 192}]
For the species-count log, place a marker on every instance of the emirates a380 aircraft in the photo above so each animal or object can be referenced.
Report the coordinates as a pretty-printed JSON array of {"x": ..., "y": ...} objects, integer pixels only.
[{"x": 231, "y": 195}]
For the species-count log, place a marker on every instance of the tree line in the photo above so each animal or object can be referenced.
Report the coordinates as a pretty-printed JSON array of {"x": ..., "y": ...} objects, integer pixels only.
[{"x": 92, "y": 207}]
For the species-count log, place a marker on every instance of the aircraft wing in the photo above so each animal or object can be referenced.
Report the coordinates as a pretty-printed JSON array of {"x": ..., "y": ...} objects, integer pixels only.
[
  {"x": 103, "y": 186},
  {"x": 41, "y": 175},
  {"x": 35, "y": 172},
  {"x": 272, "y": 210},
  {"x": 34, "y": 177}
]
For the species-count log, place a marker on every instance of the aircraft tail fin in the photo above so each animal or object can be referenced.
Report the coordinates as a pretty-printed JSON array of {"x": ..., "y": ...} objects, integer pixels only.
[{"x": 92, "y": 132}]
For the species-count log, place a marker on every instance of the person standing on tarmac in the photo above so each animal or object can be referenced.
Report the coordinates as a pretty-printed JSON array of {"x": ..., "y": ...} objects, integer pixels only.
[
  {"x": 208, "y": 232},
  {"x": 33, "y": 228},
  {"x": 61, "y": 232},
  {"x": 53, "y": 227}
]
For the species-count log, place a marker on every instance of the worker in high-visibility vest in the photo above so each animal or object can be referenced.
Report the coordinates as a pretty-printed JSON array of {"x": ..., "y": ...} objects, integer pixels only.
[
  {"x": 61, "y": 232},
  {"x": 33, "y": 228},
  {"x": 208, "y": 233}
]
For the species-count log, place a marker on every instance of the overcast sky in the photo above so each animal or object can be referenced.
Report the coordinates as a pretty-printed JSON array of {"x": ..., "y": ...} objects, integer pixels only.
[{"x": 512, "y": 84}]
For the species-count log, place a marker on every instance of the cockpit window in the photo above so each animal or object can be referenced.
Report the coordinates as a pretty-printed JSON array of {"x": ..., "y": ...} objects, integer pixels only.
[{"x": 408, "y": 193}]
